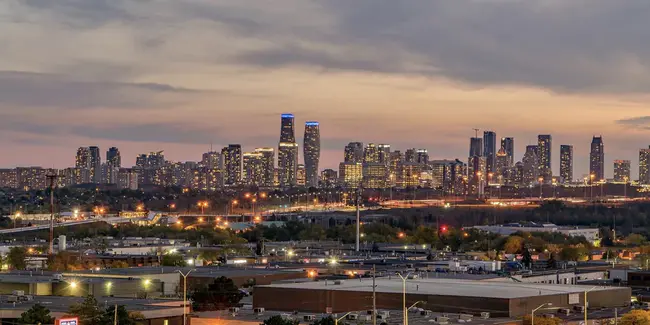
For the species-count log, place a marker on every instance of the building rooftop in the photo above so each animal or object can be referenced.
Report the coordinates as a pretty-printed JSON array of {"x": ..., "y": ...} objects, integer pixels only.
[
  {"x": 196, "y": 271},
  {"x": 62, "y": 304},
  {"x": 444, "y": 287}
]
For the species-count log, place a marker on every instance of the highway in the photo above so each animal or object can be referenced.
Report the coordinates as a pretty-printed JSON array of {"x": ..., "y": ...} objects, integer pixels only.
[{"x": 111, "y": 220}]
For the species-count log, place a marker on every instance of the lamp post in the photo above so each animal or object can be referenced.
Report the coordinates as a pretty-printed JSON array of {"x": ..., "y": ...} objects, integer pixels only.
[
  {"x": 404, "y": 296},
  {"x": 541, "y": 187},
  {"x": 625, "y": 178},
  {"x": 184, "y": 275},
  {"x": 336, "y": 320},
  {"x": 591, "y": 186},
  {"x": 532, "y": 313},
  {"x": 407, "y": 309},
  {"x": 203, "y": 205},
  {"x": 587, "y": 291}
]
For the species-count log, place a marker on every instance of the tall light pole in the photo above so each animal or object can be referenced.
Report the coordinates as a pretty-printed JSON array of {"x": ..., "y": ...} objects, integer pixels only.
[
  {"x": 587, "y": 291},
  {"x": 336, "y": 320},
  {"x": 625, "y": 178},
  {"x": 591, "y": 186},
  {"x": 406, "y": 320},
  {"x": 358, "y": 218},
  {"x": 184, "y": 275},
  {"x": 532, "y": 313}
]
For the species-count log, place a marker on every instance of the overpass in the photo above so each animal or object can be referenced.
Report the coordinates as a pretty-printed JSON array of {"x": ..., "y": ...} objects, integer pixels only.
[{"x": 111, "y": 220}]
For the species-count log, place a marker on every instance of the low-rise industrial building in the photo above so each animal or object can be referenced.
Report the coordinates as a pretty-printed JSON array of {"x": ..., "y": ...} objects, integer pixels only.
[{"x": 502, "y": 299}]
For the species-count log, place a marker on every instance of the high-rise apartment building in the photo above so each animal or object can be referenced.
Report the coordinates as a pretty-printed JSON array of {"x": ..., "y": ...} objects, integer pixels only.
[
  {"x": 113, "y": 165},
  {"x": 311, "y": 148},
  {"x": 82, "y": 161},
  {"x": 477, "y": 178},
  {"x": 622, "y": 171},
  {"x": 371, "y": 154},
  {"x": 476, "y": 147},
  {"x": 354, "y": 152},
  {"x": 544, "y": 149},
  {"x": 211, "y": 160},
  {"x": 384, "y": 153},
  {"x": 644, "y": 166},
  {"x": 8, "y": 178},
  {"x": 287, "y": 152},
  {"x": 350, "y": 174},
  {"x": 375, "y": 175},
  {"x": 232, "y": 164},
  {"x": 508, "y": 144},
  {"x": 530, "y": 164},
  {"x": 422, "y": 156},
  {"x": 301, "y": 175},
  {"x": 597, "y": 159},
  {"x": 490, "y": 150},
  {"x": 253, "y": 168},
  {"x": 566, "y": 163},
  {"x": 411, "y": 155},
  {"x": 268, "y": 165},
  {"x": 501, "y": 164},
  {"x": 408, "y": 175},
  {"x": 328, "y": 178}
]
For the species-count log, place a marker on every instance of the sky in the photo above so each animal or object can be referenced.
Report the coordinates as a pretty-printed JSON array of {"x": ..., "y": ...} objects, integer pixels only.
[{"x": 182, "y": 75}]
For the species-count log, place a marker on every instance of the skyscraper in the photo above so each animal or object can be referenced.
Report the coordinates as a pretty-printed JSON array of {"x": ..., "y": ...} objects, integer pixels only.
[
  {"x": 544, "y": 145},
  {"x": 384, "y": 153},
  {"x": 253, "y": 168},
  {"x": 211, "y": 160},
  {"x": 82, "y": 161},
  {"x": 113, "y": 165},
  {"x": 501, "y": 163},
  {"x": 371, "y": 154},
  {"x": 350, "y": 174},
  {"x": 597, "y": 159},
  {"x": 328, "y": 178},
  {"x": 301, "y": 175},
  {"x": 353, "y": 152},
  {"x": 476, "y": 147},
  {"x": 232, "y": 159},
  {"x": 95, "y": 165},
  {"x": 287, "y": 152},
  {"x": 490, "y": 150},
  {"x": 422, "y": 156},
  {"x": 530, "y": 164},
  {"x": 621, "y": 171},
  {"x": 644, "y": 166},
  {"x": 411, "y": 156},
  {"x": 311, "y": 148},
  {"x": 508, "y": 144},
  {"x": 566, "y": 163},
  {"x": 268, "y": 165}
]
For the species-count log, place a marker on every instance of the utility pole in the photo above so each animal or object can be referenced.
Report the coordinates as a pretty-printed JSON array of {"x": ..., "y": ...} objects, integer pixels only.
[
  {"x": 115, "y": 316},
  {"x": 52, "y": 180},
  {"x": 374, "y": 297},
  {"x": 358, "y": 218}
]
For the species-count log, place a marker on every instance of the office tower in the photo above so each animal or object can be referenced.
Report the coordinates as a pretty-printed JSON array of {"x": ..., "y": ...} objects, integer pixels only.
[
  {"x": 422, "y": 156},
  {"x": 476, "y": 147},
  {"x": 371, "y": 153},
  {"x": 411, "y": 156},
  {"x": 508, "y": 144},
  {"x": 287, "y": 133},
  {"x": 476, "y": 167},
  {"x": 501, "y": 164},
  {"x": 287, "y": 152},
  {"x": 354, "y": 152},
  {"x": 644, "y": 166},
  {"x": 530, "y": 164},
  {"x": 395, "y": 160},
  {"x": 268, "y": 166},
  {"x": 445, "y": 174},
  {"x": 311, "y": 148},
  {"x": 384, "y": 153},
  {"x": 211, "y": 160},
  {"x": 113, "y": 165},
  {"x": 253, "y": 168},
  {"x": 408, "y": 175},
  {"x": 622, "y": 171},
  {"x": 544, "y": 146},
  {"x": 328, "y": 178},
  {"x": 232, "y": 157},
  {"x": 597, "y": 159},
  {"x": 490, "y": 150},
  {"x": 566, "y": 163},
  {"x": 375, "y": 175},
  {"x": 301, "y": 175},
  {"x": 350, "y": 174}
]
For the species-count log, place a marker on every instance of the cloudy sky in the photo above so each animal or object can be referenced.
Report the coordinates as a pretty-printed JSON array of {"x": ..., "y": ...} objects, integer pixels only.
[{"x": 178, "y": 75}]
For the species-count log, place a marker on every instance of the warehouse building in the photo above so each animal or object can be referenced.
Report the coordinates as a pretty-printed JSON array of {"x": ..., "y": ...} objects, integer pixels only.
[{"x": 439, "y": 295}]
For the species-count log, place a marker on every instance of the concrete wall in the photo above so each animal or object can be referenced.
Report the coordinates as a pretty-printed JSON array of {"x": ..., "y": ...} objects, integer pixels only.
[{"x": 618, "y": 297}]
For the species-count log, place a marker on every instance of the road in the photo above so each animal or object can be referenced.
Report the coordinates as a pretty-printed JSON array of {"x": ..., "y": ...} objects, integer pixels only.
[{"x": 111, "y": 220}]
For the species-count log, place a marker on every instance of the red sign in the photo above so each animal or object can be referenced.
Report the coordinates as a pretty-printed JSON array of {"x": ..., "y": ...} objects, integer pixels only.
[{"x": 68, "y": 321}]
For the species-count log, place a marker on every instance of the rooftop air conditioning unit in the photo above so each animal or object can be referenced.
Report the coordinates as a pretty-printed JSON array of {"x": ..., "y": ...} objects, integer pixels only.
[
  {"x": 485, "y": 315},
  {"x": 339, "y": 282},
  {"x": 365, "y": 318},
  {"x": 426, "y": 313},
  {"x": 465, "y": 317},
  {"x": 285, "y": 316},
  {"x": 382, "y": 317},
  {"x": 370, "y": 311},
  {"x": 18, "y": 292},
  {"x": 309, "y": 318},
  {"x": 258, "y": 311},
  {"x": 442, "y": 320},
  {"x": 352, "y": 316},
  {"x": 233, "y": 309}
]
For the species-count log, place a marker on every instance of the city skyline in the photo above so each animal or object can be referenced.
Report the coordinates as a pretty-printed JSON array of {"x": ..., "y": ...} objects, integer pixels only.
[{"x": 143, "y": 89}]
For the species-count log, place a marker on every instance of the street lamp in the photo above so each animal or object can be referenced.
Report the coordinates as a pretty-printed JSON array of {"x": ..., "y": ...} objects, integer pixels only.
[
  {"x": 532, "y": 313},
  {"x": 406, "y": 320},
  {"x": 591, "y": 186},
  {"x": 336, "y": 321},
  {"x": 184, "y": 275},
  {"x": 203, "y": 205},
  {"x": 587, "y": 291}
]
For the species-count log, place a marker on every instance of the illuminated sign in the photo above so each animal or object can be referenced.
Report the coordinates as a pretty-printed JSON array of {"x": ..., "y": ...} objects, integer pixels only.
[{"x": 68, "y": 321}]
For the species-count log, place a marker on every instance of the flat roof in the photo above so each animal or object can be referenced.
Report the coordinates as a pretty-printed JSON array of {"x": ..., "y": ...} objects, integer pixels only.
[
  {"x": 62, "y": 304},
  {"x": 196, "y": 271},
  {"x": 445, "y": 287}
]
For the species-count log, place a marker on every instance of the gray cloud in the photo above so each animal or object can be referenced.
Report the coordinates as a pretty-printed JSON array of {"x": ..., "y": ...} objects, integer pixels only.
[{"x": 639, "y": 122}]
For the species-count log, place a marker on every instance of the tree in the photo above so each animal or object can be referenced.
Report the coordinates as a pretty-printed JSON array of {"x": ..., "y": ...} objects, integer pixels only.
[
  {"x": 541, "y": 320},
  {"x": 16, "y": 258},
  {"x": 38, "y": 314},
  {"x": 513, "y": 245},
  {"x": 88, "y": 311},
  {"x": 329, "y": 320},
  {"x": 221, "y": 294},
  {"x": 279, "y": 320},
  {"x": 635, "y": 317},
  {"x": 635, "y": 240},
  {"x": 526, "y": 259},
  {"x": 123, "y": 316},
  {"x": 551, "y": 263},
  {"x": 173, "y": 260}
]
